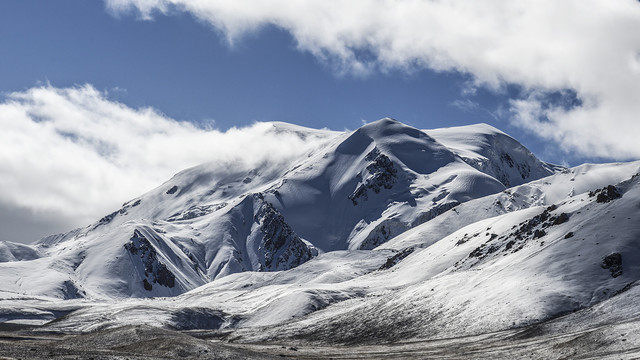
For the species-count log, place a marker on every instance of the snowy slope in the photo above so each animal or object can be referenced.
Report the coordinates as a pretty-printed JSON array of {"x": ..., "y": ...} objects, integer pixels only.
[
  {"x": 375, "y": 183},
  {"x": 507, "y": 271},
  {"x": 10, "y": 251},
  {"x": 494, "y": 153},
  {"x": 382, "y": 234},
  {"x": 539, "y": 264},
  {"x": 543, "y": 192},
  {"x": 356, "y": 190}
]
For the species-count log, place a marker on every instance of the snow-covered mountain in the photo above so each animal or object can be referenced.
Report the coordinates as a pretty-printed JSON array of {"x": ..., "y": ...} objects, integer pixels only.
[
  {"x": 380, "y": 234},
  {"x": 356, "y": 191},
  {"x": 494, "y": 153}
]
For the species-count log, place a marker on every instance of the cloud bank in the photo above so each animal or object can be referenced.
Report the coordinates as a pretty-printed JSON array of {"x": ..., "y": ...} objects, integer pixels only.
[
  {"x": 69, "y": 156},
  {"x": 587, "y": 47}
]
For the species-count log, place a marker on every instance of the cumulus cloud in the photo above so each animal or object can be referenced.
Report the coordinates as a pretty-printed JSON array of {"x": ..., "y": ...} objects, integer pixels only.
[
  {"x": 590, "y": 47},
  {"x": 73, "y": 155}
]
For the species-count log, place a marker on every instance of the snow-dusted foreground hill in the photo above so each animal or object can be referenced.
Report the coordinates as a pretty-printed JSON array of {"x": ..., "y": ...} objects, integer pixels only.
[{"x": 384, "y": 234}]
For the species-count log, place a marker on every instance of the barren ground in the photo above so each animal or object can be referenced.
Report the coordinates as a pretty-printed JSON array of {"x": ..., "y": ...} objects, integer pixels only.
[{"x": 615, "y": 341}]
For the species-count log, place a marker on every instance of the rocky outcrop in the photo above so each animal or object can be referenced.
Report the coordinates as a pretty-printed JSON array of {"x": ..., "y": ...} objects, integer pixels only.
[
  {"x": 606, "y": 194},
  {"x": 123, "y": 211},
  {"x": 155, "y": 271},
  {"x": 395, "y": 259},
  {"x": 519, "y": 236},
  {"x": 613, "y": 262},
  {"x": 281, "y": 248},
  {"x": 382, "y": 233},
  {"x": 382, "y": 174}
]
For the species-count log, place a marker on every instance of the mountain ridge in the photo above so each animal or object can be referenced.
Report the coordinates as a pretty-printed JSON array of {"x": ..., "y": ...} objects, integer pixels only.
[
  {"x": 387, "y": 234},
  {"x": 361, "y": 188}
]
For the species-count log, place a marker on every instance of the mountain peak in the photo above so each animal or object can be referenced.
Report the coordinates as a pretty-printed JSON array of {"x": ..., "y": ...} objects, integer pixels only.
[
  {"x": 356, "y": 190},
  {"x": 386, "y": 222},
  {"x": 388, "y": 126},
  {"x": 493, "y": 152}
]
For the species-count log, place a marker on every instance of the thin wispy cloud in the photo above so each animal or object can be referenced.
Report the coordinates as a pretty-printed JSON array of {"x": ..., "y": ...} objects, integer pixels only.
[
  {"x": 590, "y": 47},
  {"x": 73, "y": 155}
]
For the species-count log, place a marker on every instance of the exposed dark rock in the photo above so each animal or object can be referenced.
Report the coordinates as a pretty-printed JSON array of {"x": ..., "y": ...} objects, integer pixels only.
[
  {"x": 492, "y": 249},
  {"x": 538, "y": 234},
  {"x": 525, "y": 170},
  {"x": 506, "y": 158},
  {"x": 123, "y": 211},
  {"x": 613, "y": 262},
  {"x": 154, "y": 269},
  {"x": 569, "y": 235},
  {"x": 108, "y": 218},
  {"x": 392, "y": 261},
  {"x": 606, "y": 194},
  {"x": 173, "y": 190},
  {"x": 282, "y": 248},
  {"x": 477, "y": 252},
  {"x": 561, "y": 219},
  {"x": 519, "y": 235},
  {"x": 146, "y": 284},
  {"x": 465, "y": 238},
  {"x": 382, "y": 175}
]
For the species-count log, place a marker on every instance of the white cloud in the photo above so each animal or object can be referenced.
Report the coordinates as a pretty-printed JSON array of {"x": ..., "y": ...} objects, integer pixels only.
[
  {"x": 589, "y": 46},
  {"x": 74, "y": 155}
]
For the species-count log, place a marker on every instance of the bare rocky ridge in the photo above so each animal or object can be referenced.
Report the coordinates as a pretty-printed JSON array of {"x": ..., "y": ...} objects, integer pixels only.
[{"x": 281, "y": 247}]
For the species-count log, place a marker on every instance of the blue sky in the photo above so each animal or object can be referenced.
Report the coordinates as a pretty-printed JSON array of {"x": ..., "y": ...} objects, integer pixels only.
[
  {"x": 186, "y": 69},
  {"x": 98, "y": 97}
]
